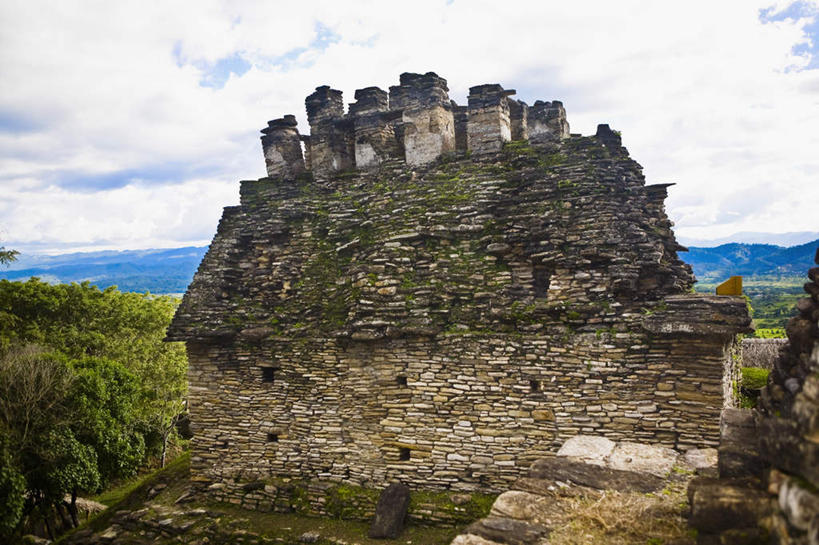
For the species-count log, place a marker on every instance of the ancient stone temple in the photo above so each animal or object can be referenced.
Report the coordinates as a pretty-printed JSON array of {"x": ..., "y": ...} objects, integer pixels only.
[{"x": 439, "y": 295}]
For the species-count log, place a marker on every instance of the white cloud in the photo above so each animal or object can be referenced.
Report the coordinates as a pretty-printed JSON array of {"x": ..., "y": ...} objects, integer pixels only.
[{"x": 706, "y": 96}]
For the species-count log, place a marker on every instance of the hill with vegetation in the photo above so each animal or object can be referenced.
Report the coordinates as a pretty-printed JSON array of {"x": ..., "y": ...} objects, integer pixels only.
[
  {"x": 718, "y": 263},
  {"x": 155, "y": 270}
]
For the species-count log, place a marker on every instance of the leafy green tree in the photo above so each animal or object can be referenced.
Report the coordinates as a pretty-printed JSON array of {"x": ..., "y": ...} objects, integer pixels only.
[
  {"x": 80, "y": 320},
  {"x": 12, "y": 493},
  {"x": 88, "y": 407},
  {"x": 7, "y": 256}
]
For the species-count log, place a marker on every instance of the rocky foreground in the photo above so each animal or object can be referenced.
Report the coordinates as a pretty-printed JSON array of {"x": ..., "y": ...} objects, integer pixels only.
[{"x": 593, "y": 491}]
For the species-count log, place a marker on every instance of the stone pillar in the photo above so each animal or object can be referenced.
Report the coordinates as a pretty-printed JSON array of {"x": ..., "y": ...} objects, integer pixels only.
[
  {"x": 374, "y": 134},
  {"x": 281, "y": 145},
  {"x": 461, "y": 115},
  {"x": 519, "y": 118},
  {"x": 488, "y": 127},
  {"x": 428, "y": 126},
  {"x": 331, "y": 139},
  {"x": 608, "y": 137},
  {"x": 547, "y": 122}
]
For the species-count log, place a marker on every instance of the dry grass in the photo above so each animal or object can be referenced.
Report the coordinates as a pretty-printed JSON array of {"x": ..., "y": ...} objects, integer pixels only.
[{"x": 624, "y": 518}]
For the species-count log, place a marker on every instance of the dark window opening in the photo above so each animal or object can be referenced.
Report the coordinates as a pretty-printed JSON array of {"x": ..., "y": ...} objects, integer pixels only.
[
  {"x": 541, "y": 280},
  {"x": 268, "y": 374},
  {"x": 403, "y": 454},
  {"x": 534, "y": 385},
  {"x": 401, "y": 380},
  {"x": 225, "y": 444},
  {"x": 272, "y": 437}
]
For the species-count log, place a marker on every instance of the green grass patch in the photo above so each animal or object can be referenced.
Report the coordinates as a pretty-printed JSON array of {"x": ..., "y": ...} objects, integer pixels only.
[{"x": 754, "y": 378}]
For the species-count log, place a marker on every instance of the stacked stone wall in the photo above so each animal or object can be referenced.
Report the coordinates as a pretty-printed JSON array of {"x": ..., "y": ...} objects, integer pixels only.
[
  {"x": 461, "y": 412},
  {"x": 488, "y": 125},
  {"x": 415, "y": 122}
]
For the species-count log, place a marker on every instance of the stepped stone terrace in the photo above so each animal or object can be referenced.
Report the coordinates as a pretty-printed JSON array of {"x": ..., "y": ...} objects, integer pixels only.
[{"x": 441, "y": 295}]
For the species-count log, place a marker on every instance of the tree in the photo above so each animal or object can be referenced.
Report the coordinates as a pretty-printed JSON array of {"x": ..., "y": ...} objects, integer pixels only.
[
  {"x": 68, "y": 426},
  {"x": 7, "y": 256},
  {"x": 79, "y": 320},
  {"x": 102, "y": 392}
]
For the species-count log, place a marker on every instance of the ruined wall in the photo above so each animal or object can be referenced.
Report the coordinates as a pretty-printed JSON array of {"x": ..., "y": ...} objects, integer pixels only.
[
  {"x": 761, "y": 352},
  {"x": 788, "y": 426},
  {"x": 428, "y": 125},
  {"x": 488, "y": 124},
  {"x": 416, "y": 122},
  {"x": 447, "y": 325},
  {"x": 461, "y": 412}
]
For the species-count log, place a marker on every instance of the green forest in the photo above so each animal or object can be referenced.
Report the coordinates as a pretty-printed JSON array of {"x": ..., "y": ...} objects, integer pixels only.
[{"x": 89, "y": 394}]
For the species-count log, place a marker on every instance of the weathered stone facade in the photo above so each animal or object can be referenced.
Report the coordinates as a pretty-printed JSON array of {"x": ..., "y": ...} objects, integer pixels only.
[{"x": 447, "y": 324}]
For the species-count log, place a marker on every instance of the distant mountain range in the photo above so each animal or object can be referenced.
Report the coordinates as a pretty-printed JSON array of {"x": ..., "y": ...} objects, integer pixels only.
[
  {"x": 156, "y": 270},
  {"x": 720, "y": 262},
  {"x": 171, "y": 270},
  {"x": 793, "y": 238}
]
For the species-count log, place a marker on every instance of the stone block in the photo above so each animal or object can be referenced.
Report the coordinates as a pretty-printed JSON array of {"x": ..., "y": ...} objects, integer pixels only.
[
  {"x": 637, "y": 457},
  {"x": 508, "y": 531},
  {"x": 390, "y": 512},
  {"x": 566, "y": 470},
  {"x": 588, "y": 449},
  {"x": 719, "y": 505}
]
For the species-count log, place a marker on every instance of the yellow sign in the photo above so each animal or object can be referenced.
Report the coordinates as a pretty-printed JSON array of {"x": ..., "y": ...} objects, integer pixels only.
[{"x": 732, "y": 286}]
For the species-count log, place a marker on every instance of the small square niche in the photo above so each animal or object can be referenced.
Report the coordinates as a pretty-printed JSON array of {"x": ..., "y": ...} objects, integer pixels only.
[
  {"x": 401, "y": 380},
  {"x": 534, "y": 385},
  {"x": 272, "y": 437},
  {"x": 268, "y": 374},
  {"x": 403, "y": 454}
]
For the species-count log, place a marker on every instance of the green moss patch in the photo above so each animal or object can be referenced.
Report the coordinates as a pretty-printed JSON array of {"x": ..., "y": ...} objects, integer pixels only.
[{"x": 754, "y": 378}]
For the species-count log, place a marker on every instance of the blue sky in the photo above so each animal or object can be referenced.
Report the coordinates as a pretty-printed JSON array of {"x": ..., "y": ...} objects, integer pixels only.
[{"x": 129, "y": 124}]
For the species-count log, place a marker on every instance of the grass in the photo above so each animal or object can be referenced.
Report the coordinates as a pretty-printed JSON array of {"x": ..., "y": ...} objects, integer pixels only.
[
  {"x": 754, "y": 378},
  {"x": 288, "y": 527},
  {"x": 121, "y": 490},
  {"x": 226, "y": 522},
  {"x": 625, "y": 518},
  {"x": 130, "y": 495}
]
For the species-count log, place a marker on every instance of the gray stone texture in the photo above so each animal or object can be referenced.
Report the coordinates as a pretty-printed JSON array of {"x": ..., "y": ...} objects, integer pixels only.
[
  {"x": 281, "y": 145},
  {"x": 390, "y": 512},
  {"x": 519, "y": 119},
  {"x": 547, "y": 122},
  {"x": 444, "y": 324},
  {"x": 522, "y": 306},
  {"x": 428, "y": 126},
  {"x": 761, "y": 353},
  {"x": 331, "y": 144},
  {"x": 488, "y": 125}
]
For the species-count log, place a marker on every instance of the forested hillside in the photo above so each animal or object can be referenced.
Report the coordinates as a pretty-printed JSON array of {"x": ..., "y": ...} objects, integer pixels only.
[
  {"x": 89, "y": 393},
  {"x": 718, "y": 263}
]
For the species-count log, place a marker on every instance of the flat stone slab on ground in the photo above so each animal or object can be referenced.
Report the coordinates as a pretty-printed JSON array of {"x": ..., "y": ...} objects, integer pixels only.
[
  {"x": 565, "y": 470},
  {"x": 651, "y": 459},
  {"x": 587, "y": 448},
  {"x": 509, "y": 532},
  {"x": 700, "y": 458}
]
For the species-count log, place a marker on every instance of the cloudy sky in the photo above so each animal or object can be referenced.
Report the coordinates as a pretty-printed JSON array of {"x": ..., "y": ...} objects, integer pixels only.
[{"x": 129, "y": 124}]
